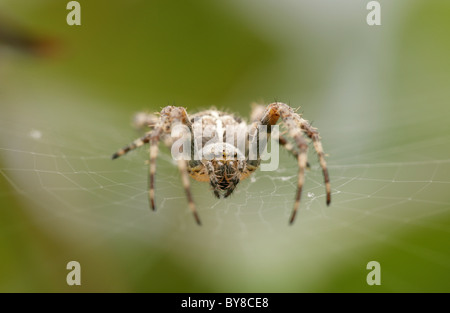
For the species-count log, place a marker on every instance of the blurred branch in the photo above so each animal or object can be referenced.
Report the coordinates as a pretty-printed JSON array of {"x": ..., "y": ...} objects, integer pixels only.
[{"x": 15, "y": 36}]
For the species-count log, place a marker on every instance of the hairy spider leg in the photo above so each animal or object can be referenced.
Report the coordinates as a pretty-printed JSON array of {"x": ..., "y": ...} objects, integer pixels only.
[
  {"x": 170, "y": 116},
  {"x": 256, "y": 115},
  {"x": 135, "y": 144},
  {"x": 296, "y": 126},
  {"x": 182, "y": 166},
  {"x": 153, "y": 155},
  {"x": 312, "y": 133}
]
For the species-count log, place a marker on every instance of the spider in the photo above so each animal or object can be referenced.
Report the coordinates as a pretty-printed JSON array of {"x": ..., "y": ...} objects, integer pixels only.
[{"x": 222, "y": 174}]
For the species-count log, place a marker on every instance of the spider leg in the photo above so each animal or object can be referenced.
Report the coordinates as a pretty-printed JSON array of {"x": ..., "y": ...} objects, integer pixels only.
[
  {"x": 171, "y": 116},
  {"x": 289, "y": 118},
  {"x": 260, "y": 117},
  {"x": 152, "y": 166},
  {"x": 185, "y": 179},
  {"x": 295, "y": 126},
  {"x": 141, "y": 121},
  {"x": 135, "y": 144},
  {"x": 256, "y": 116},
  {"x": 312, "y": 133},
  {"x": 302, "y": 161}
]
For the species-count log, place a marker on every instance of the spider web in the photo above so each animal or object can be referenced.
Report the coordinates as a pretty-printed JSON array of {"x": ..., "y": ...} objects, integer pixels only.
[{"x": 57, "y": 162}]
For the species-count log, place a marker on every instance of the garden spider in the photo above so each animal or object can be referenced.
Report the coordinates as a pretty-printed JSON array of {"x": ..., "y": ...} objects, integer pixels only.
[{"x": 224, "y": 174}]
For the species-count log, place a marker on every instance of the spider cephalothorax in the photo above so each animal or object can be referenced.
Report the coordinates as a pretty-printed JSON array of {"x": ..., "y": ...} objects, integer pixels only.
[{"x": 220, "y": 146}]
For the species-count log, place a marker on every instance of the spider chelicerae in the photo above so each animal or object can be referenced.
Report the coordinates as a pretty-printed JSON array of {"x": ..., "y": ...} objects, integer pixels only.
[{"x": 221, "y": 164}]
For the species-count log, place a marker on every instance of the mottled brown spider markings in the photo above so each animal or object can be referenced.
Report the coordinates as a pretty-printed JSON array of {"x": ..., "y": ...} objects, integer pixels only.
[{"x": 224, "y": 165}]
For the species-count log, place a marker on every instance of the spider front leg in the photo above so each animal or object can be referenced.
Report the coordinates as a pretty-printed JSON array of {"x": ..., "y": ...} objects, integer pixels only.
[
  {"x": 170, "y": 116},
  {"x": 312, "y": 133},
  {"x": 256, "y": 115},
  {"x": 140, "y": 121},
  {"x": 182, "y": 166},
  {"x": 135, "y": 144},
  {"x": 295, "y": 126}
]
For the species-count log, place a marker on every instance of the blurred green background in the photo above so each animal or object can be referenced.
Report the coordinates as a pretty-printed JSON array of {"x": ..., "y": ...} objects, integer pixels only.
[{"x": 378, "y": 94}]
